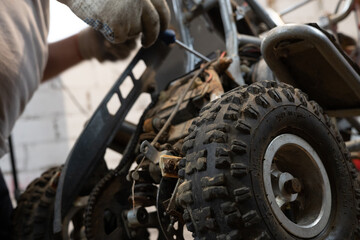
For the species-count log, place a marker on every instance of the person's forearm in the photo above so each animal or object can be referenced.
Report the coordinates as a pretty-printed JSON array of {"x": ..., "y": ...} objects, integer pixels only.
[{"x": 62, "y": 55}]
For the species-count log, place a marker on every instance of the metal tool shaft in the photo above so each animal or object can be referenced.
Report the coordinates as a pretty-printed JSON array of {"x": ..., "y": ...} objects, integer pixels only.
[{"x": 192, "y": 51}]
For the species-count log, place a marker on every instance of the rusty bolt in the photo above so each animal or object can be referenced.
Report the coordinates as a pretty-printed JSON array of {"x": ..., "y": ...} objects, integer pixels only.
[{"x": 170, "y": 164}]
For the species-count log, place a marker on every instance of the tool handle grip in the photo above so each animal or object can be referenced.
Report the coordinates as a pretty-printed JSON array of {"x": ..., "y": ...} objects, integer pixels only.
[{"x": 167, "y": 36}]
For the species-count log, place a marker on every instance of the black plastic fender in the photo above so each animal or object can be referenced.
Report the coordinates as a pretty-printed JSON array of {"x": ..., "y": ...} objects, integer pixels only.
[{"x": 101, "y": 129}]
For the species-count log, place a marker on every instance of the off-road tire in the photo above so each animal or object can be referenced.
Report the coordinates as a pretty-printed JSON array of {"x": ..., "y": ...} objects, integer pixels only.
[
  {"x": 34, "y": 214},
  {"x": 223, "y": 192},
  {"x": 32, "y": 219}
]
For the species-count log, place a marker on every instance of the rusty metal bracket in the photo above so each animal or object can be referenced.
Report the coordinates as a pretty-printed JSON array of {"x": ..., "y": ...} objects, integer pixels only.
[{"x": 169, "y": 166}]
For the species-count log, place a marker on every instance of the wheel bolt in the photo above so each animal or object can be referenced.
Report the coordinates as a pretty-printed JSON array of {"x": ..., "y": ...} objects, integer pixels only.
[{"x": 293, "y": 186}]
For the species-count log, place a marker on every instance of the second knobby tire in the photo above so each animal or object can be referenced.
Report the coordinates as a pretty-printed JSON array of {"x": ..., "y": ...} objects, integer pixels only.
[
  {"x": 264, "y": 162},
  {"x": 33, "y": 217}
]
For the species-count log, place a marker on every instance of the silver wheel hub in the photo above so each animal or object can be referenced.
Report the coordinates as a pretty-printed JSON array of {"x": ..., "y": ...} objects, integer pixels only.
[{"x": 297, "y": 186}]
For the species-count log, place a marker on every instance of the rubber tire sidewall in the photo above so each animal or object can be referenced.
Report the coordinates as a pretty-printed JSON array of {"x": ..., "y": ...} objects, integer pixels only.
[{"x": 299, "y": 121}]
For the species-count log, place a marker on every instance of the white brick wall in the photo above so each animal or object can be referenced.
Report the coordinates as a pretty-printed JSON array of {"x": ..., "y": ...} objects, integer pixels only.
[{"x": 52, "y": 120}]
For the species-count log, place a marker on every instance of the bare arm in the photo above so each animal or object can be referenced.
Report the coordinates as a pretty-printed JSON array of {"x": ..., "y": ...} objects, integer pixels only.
[{"x": 62, "y": 55}]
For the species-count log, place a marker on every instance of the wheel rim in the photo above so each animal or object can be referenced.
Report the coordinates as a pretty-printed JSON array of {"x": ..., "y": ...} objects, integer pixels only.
[{"x": 297, "y": 186}]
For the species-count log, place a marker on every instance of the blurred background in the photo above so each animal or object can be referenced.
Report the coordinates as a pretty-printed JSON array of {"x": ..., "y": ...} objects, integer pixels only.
[{"x": 55, "y": 116}]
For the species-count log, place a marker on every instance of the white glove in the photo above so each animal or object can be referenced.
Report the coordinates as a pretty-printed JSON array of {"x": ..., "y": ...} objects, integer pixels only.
[
  {"x": 92, "y": 44},
  {"x": 120, "y": 20}
]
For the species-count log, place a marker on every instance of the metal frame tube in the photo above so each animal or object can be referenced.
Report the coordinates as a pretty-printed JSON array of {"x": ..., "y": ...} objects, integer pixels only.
[
  {"x": 184, "y": 33},
  {"x": 204, "y": 7},
  {"x": 262, "y": 13},
  {"x": 231, "y": 39},
  {"x": 247, "y": 39},
  {"x": 335, "y": 18}
]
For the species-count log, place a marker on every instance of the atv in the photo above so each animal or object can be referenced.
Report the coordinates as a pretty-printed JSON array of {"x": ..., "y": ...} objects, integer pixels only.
[{"x": 231, "y": 148}]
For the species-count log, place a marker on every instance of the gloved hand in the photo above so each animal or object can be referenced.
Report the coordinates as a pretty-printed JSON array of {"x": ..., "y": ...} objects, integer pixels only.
[
  {"x": 120, "y": 20},
  {"x": 92, "y": 44}
]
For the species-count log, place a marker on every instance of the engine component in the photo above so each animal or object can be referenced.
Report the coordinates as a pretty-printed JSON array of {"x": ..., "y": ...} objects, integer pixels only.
[
  {"x": 144, "y": 194},
  {"x": 206, "y": 87}
]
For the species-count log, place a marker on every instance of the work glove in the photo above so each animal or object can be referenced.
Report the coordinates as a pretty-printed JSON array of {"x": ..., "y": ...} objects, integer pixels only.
[
  {"x": 92, "y": 44},
  {"x": 120, "y": 20}
]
